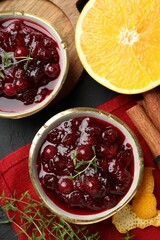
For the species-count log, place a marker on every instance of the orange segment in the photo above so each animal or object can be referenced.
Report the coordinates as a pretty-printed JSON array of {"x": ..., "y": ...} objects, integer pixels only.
[
  {"x": 118, "y": 43},
  {"x": 104, "y": 8},
  {"x": 151, "y": 62}
]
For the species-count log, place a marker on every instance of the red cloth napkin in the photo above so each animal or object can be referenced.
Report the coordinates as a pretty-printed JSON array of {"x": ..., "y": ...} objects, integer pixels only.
[{"x": 14, "y": 174}]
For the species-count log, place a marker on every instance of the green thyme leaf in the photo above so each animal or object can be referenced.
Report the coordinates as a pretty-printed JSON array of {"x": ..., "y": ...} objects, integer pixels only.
[
  {"x": 1, "y": 74},
  {"x": 78, "y": 163},
  {"x": 75, "y": 158},
  {"x": 28, "y": 59},
  {"x": 37, "y": 222},
  {"x": 128, "y": 236},
  {"x": 9, "y": 60}
]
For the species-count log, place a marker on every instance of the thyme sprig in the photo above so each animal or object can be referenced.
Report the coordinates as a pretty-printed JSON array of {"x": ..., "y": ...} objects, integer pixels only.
[
  {"x": 78, "y": 163},
  {"x": 128, "y": 236},
  {"x": 39, "y": 223},
  {"x": 9, "y": 60}
]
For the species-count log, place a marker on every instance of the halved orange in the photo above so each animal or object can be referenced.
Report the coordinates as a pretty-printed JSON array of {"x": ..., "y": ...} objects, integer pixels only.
[{"x": 118, "y": 43}]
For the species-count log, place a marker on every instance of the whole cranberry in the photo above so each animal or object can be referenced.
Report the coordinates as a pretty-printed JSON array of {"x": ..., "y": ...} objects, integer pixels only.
[
  {"x": 110, "y": 135},
  {"x": 122, "y": 184},
  {"x": 35, "y": 74},
  {"x": 85, "y": 152},
  {"x": 9, "y": 74},
  {"x": 9, "y": 90},
  {"x": 91, "y": 185},
  {"x": 107, "y": 151},
  {"x": 52, "y": 70},
  {"x": 102, "y": 165},
  {"x": 93, "y": 130},
  {"x": 69, "y": 139},
  {"x": 20, "y": 85},
  {"x": 28, "y": 97},
  {"x": 60, "y": 162},
  {"x": 49, "y": 181},
  {"x": 20, "y": 52},
  {"x": 19, "y": 73},
  {"x": 74, "y": 199},
  {"x": 109, "y": 201},
  {"x": 40, "y": 53},
  {"x": 65, "y": 185},
  {"x": 55, "y": 136},
  {"x": 112, "y": 150},
  {"x": 125, "y": 157},
  {"x": 121, "y": 181},
  {"x": 114, "y": 166},
  {"x": 49, "y": 152},
  {"x": 124, "y": 176}
]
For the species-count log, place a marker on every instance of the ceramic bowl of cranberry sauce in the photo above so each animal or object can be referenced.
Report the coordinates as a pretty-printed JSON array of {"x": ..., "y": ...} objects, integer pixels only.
[
  {"x": 85, "y": 164},
  {"x": 33, "y": 64}
]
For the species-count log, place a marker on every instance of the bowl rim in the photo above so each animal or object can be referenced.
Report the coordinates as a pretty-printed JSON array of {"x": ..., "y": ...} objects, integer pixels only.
[
  {"x": 75, "y": 218},
  {"x": 64, "y": 49}
]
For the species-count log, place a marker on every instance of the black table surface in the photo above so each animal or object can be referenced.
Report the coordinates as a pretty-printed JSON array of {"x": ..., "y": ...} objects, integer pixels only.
[{"x": 14, "y": 133}]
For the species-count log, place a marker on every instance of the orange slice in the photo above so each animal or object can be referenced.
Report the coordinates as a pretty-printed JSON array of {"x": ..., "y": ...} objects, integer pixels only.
[{"x": 118, "y": 43}]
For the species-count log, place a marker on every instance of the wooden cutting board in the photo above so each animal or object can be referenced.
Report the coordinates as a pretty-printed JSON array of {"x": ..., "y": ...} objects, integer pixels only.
[{"x": 63, "y": 15}]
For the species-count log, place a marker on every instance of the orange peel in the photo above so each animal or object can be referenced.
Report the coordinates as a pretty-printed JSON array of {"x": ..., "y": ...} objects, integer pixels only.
[
  {"x": 126, "y": 220},
  {"x": 145, "y": 206},
  {"x": 143, "y": 211},
  {"x": 147, "y": 185}
]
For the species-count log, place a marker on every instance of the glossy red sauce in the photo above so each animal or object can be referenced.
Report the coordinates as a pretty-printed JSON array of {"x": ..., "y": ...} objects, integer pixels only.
[
  {"x": 92, "y": 186},
  {"x": 29, "y": 64}
]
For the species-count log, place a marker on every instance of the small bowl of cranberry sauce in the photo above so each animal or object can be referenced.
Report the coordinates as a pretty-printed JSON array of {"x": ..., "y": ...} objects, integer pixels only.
[
  {"x": 85, "y": 164},
  {"x": 33, "y": 64}
]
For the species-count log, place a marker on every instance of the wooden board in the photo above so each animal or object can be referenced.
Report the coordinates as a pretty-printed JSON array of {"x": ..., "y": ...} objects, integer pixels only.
[{"x": 63, "y": 15}]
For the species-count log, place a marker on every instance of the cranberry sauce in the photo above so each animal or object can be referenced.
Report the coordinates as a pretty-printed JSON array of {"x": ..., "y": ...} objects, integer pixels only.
[
  {"x": 85, "y": 163},
  {"x": 29, "y": 64}
]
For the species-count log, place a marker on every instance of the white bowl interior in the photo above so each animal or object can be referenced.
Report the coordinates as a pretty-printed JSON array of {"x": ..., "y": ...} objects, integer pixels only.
[
  {"x": 130, "y": 138},
  {"x": 44, "y": 26}
]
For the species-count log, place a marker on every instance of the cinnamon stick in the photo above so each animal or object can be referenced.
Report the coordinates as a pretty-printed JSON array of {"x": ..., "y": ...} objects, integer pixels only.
[
  {"x": 146, "y": 128},
  {"x": 151, "y": 104}
]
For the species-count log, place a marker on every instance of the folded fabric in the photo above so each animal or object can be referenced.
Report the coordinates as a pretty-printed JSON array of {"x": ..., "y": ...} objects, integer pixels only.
[{"x": 14, "y": 174}]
